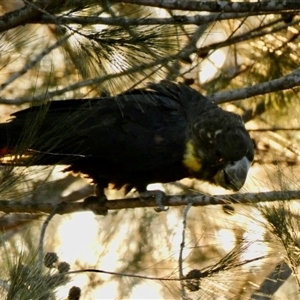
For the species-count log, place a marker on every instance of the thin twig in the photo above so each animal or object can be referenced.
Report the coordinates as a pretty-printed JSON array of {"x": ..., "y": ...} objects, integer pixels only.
[
  {"x": 208, "y": 271},
  {"x": 42, "y": 236},
  {"x": 259, "y": 31},
  {"x": 33, "y": 62},
  {"x": 122, "y": 274},
  {"x": 182, "y": 245},
  {"x": 98, "y": 80}
]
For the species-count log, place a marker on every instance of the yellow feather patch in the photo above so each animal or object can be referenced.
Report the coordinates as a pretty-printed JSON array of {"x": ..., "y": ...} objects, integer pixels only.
[{"x": 190, "y": 160}]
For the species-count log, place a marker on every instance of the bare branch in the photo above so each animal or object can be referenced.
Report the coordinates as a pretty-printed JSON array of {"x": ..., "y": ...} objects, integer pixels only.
[
  {"x": 33, "y": 12},
  {"x": 266, "y": 6},
  {"x": 286, "y": 82},
  {"x": 124, "y": 21},
  {"x": 177, "y": 200},
  {"x": 17, "y": 17},
  {"x": 230, "y": 10},
  {"x": 26, "y": 14}
]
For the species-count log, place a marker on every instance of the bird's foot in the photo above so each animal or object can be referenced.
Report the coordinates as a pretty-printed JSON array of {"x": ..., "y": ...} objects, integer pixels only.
[
  {"x": 159, "y": 197},
  {"x": 93, "y": 202}
]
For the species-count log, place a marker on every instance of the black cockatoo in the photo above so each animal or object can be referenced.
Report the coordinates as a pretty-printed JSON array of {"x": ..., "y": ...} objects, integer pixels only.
[{"x": 161, "y": 133}]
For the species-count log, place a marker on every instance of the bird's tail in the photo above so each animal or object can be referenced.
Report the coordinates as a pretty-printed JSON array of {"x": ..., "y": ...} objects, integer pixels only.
[
  {"x": 4, "y": 145},
  {"x": 11, "y": 144}
]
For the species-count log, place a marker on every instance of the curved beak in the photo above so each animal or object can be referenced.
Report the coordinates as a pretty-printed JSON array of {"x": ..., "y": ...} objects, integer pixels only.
[{"x": 234, "y": 174}]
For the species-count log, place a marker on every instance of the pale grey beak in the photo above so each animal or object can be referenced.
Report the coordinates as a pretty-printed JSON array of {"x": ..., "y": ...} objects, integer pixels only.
[{"x": 234, "y": 174}]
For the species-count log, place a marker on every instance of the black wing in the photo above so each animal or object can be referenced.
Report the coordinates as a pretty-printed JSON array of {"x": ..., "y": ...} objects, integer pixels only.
[{"x": 138, "y": 130}]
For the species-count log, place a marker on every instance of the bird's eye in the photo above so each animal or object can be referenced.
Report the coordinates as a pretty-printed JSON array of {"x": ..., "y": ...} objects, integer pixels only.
[{"x": 206, "y": 136}]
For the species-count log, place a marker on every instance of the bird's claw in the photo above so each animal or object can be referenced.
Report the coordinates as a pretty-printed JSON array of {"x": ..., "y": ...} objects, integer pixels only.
[
  {"x": 92, "y": 203},
  {"x": 161, "y": 208},
  {"x": 159, "y": 197}
]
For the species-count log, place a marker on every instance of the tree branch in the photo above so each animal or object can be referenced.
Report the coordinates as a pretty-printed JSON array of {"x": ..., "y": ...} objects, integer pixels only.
[
  {"x": 25, "y": 14},
  {"x": 125, "y": 21},
  {"x": 229, "y": 10},
  {"x": 260, "y": 31},
  {"x": 33, "y": 62},
  {"x": 17, "y": 17},
  {"x": 283, "y": 83},
  {"x": 89, "y": 82},
  {"x": 32, "y": 12},
  {"x": 8, "y": 206},
  {"x": 266, "y": 6}
]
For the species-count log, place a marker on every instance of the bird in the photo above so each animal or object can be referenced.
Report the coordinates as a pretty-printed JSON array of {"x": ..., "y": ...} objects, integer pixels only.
[{"x": 161, "y": 133}]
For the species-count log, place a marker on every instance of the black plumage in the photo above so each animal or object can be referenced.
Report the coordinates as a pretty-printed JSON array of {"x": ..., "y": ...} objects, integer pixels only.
[{"x": 162, "y": 133}]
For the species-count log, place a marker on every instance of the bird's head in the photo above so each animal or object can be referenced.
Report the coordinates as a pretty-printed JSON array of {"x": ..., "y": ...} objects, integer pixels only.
[{"x": 222, "y": 147}]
